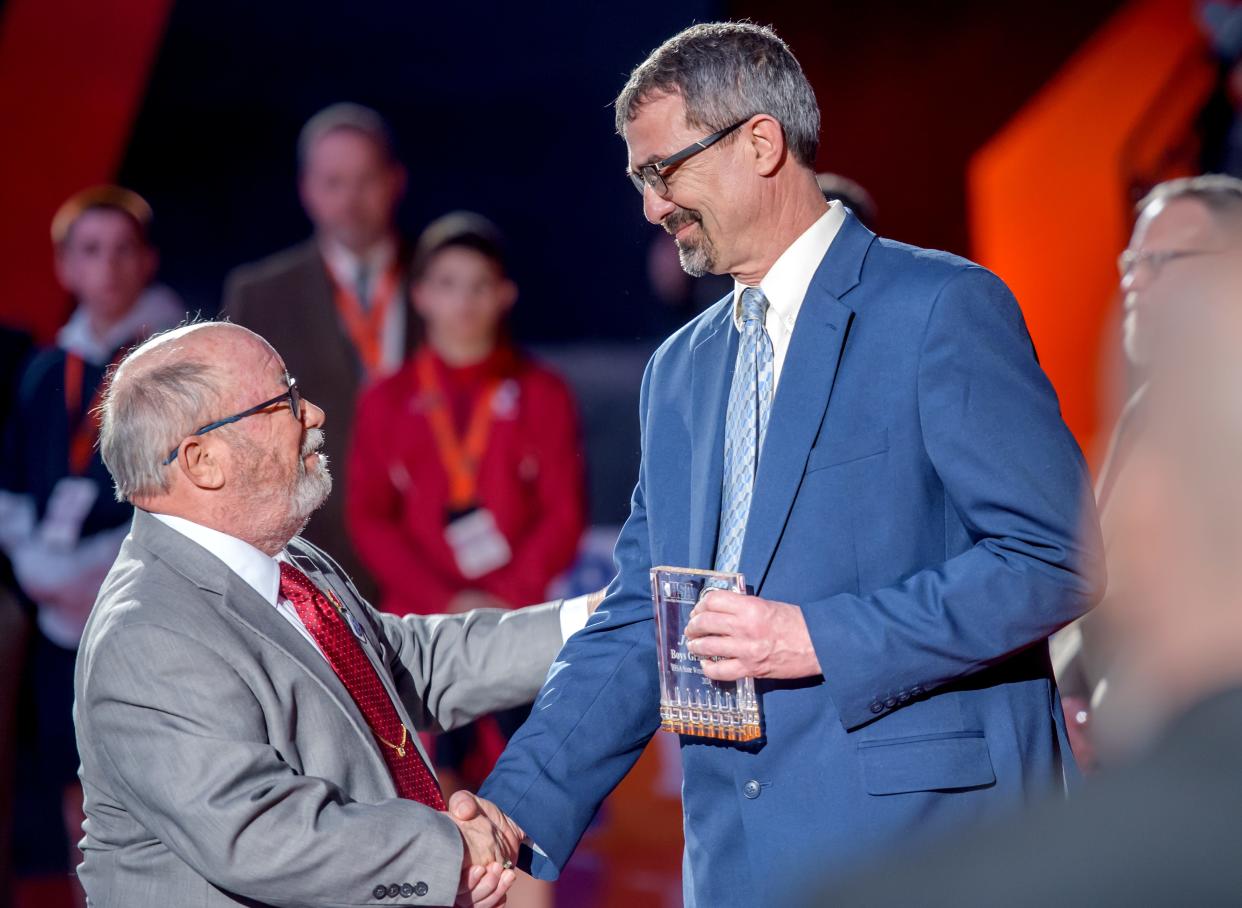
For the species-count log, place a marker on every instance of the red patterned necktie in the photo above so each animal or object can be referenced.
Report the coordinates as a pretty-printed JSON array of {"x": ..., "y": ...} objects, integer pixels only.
[{"x": 344, "y": 652}]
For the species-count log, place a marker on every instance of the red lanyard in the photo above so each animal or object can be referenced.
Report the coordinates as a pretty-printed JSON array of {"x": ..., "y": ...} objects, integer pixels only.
[
  {"x": 85, "y": 433},
  {"x": 460, "y": 457},
  {"x": 366, "y": 326}
]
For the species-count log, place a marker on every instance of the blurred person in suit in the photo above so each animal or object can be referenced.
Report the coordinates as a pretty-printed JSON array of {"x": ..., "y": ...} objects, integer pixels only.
[
  {"x": 335, "y": 303},
  {"x": 59, "y": 525},
  {"x": 1183, "y": 228},
  {"x": 247, "y": 722},
  {"x": 1162, "y": 825}
]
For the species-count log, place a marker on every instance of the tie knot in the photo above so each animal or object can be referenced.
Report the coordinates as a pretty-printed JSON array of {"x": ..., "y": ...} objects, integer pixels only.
[
  {"x": 754, "y": 305},
  {"x": 293, "y": 579}
]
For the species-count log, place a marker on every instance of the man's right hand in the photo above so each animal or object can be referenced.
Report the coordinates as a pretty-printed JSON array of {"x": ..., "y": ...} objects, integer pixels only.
[{"x": 491, "y": 840}]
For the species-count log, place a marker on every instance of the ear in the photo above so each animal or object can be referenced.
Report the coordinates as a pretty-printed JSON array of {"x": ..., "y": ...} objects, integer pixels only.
[
  {"x": 400, "y": 179},
  {"x": 767, "y": 143},
  {"x": 64, "y": 272},
  {"x": 200, "y": 461},
  {"x": 417, "y": 299},
  {"x": 508, "y": 292}
]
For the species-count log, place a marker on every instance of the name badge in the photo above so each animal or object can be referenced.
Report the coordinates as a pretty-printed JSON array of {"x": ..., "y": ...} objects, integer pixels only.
[{"x": 476, "y": 541}]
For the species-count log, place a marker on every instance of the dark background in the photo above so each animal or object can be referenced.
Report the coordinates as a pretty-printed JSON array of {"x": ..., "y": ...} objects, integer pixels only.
[{"x": 505, "y": 109}]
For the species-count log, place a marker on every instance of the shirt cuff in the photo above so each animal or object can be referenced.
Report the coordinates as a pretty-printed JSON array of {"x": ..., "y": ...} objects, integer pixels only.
[{"x": 574, "y": 616}]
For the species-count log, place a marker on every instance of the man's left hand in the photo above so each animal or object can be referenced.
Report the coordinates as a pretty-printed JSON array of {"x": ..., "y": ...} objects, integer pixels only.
[{"x": 753, "y": 638}]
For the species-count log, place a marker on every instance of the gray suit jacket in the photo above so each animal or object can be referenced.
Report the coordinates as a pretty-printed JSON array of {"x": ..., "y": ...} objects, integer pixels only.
[
  {"x": 223, "y": 762},
  {"x": 288, "y": 299}
]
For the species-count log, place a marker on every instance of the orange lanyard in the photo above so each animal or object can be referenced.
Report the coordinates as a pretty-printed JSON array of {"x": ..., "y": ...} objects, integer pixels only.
[
  {"x": 86, "y": 431},
  {"x": 460, "y": 458},
  {"x": 366, "y": 326}
]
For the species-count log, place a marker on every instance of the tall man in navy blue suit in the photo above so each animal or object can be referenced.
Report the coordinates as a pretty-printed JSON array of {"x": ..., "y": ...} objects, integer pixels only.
[{"x": 863, "y": 430}]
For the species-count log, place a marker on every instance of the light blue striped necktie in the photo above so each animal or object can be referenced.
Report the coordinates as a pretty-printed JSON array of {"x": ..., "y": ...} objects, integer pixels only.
[{"x": 746, "y": 422}]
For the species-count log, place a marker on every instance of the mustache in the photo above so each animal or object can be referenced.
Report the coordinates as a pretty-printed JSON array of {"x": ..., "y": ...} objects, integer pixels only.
[
  {"x": 680, "y": 218},
  {"x": 312, "y": 442}
]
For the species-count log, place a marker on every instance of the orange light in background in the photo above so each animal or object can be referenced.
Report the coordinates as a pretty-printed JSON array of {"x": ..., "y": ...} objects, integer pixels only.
[{"x": 1050, "y": 195}]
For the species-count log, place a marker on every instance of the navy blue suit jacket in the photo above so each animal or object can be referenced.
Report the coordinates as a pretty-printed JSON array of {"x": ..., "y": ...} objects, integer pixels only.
[{"x": 921, "y": 499}]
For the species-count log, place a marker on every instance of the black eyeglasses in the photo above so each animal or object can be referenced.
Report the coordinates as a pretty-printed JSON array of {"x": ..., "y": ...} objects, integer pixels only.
[
  {"x": 653, "y": 174},
  {"x": 291, "y": 395}
]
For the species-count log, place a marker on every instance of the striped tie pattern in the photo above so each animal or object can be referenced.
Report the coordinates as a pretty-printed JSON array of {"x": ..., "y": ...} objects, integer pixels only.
[{"x": 746, "y": 423}]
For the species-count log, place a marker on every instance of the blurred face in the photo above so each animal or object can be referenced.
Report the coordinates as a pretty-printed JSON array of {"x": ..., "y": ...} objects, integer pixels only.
[
  {"x": 463, "y": 296},
  {"x": 105, "y": 264},
  {"x": 710, "y": 198},
  {"x": 350, "y": 189},
  {"x": 1181, "y": 225}
]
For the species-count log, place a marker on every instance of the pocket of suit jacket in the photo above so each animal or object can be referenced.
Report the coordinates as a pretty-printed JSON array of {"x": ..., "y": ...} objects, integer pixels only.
[{"x": 937, "y": 762}]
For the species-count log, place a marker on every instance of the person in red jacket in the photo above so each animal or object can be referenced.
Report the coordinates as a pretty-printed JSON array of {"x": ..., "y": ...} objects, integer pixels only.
[{"x": 466, "y": 468}]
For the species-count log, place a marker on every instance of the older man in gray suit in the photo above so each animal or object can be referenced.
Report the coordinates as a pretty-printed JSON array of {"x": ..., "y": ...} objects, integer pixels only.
[{"x": 247, "y": 723}]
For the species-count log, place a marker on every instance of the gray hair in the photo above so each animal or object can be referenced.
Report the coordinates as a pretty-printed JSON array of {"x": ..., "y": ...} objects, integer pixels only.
[
  {"x": 726, "y": 72},
  {"x": 347, "y": 116},
  {"x": 144, "y": 417},
  {"x": 1220, "y": 193}
]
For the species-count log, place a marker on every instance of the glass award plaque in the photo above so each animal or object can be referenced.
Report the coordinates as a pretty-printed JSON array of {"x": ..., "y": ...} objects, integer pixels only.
[{"x": 690, "y": 702}]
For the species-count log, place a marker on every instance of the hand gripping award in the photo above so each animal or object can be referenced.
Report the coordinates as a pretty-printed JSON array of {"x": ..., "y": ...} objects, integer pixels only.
[{"x": 690, "y": 702}]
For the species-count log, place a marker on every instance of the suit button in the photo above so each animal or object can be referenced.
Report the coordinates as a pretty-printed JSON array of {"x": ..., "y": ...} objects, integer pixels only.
[
  {"x": 916, "y": 691},
  {"x": 751, "y": 789},
  {"x": 393, "y": 891},
  {"x": 890, "y": 702},
  {"x": 380, "y": 891},
  {"x": 406, "y": 890},
  {"x": 877, "y": 707},
  {"x": 903, "y": 697},
  {"x": 420, "y": 889}
]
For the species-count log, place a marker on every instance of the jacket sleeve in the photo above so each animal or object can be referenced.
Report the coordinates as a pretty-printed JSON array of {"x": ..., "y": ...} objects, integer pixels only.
[
  {"x": 548, "y": 547},
  {"x": 182, "y": 742},
  {"x": 451, "y": 669},
  {"x": 1014, "y": 475},
  {"x": 595, "y": 714}
]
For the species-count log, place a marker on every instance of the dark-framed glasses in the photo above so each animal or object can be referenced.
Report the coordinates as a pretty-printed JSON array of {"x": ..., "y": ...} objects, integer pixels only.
[
  {"x": 1155, "y": 259},
  {"x": 653, "y": 174},
  {"x": 291, "y": 395}
]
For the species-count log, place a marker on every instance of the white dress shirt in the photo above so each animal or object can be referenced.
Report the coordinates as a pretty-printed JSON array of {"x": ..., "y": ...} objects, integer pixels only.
[
  {"x": 786, "y": 283},
  {"x": 346, "y": 267},
  {"x": 262, "y": 574}
]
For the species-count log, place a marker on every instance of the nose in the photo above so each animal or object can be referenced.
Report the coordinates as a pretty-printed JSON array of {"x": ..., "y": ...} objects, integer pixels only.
[
  {"x": 655, "y": 207},
  {"x": 312, "y": 416}
]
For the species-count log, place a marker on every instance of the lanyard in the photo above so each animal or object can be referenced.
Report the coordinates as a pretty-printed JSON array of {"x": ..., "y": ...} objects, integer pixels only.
[
  {"x": 83, "y": 423},
  {"x": 366, "y": 326},
  {"x": 460, "y": 457}
]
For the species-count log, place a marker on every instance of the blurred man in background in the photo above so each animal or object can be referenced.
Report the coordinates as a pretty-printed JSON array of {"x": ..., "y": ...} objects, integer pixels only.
[
  {"x": 1185, "y": 228},
  {"x": 59, "y": 523},
  {"x": 335, "y": 304},
  {"x": 1164, "y": 827}
]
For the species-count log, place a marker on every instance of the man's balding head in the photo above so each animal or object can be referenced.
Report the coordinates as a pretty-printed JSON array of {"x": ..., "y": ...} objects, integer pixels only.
[{"x": 249, "y": 477}]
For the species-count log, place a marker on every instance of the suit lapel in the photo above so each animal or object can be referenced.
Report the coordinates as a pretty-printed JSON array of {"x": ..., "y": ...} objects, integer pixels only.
[
  {"x": 802, "y": 396},
  {"x": 240, "y": 603},
  {"x": 712, "y": 365}
]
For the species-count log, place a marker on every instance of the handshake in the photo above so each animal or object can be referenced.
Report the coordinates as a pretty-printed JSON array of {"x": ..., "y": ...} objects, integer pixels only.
[{"x": 491, "y": 841}]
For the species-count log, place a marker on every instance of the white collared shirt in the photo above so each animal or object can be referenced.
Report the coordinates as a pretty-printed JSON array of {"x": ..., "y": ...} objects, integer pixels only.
[
  {"x": 346, "y": 266},
  {"x": 261, "y": 572},
  {"x": 787, "y": 281}
]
